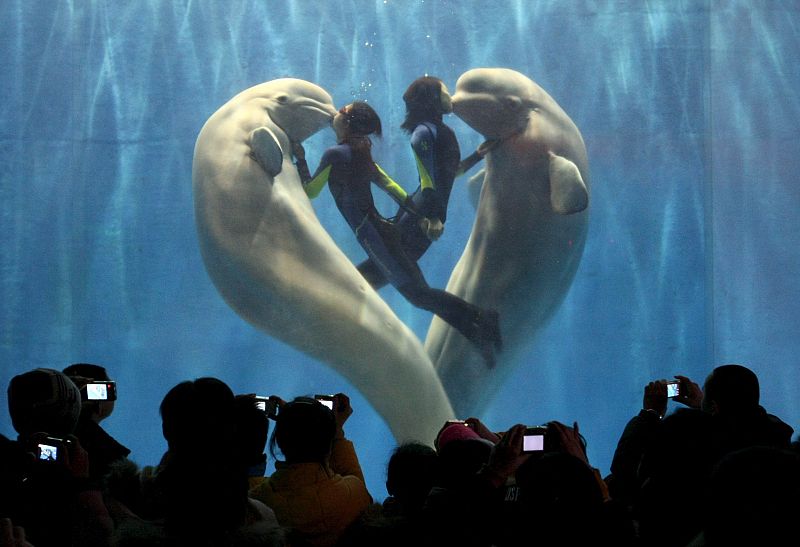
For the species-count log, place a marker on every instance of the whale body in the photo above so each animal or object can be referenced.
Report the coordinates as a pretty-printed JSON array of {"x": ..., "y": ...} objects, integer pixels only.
[
  {"x": 276, "y": 266},
  {"x": 529, "y": 231}
]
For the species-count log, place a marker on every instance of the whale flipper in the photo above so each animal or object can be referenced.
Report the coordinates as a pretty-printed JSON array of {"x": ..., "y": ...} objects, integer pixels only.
[
  {"x": 266, "y": 150},
  {"x": 568, "y": 193}
]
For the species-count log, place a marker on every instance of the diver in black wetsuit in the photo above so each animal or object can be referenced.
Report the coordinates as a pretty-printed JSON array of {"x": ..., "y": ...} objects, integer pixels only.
[
  {"x": 349, "y": 170},
  {"x": 437, "y": 154}
]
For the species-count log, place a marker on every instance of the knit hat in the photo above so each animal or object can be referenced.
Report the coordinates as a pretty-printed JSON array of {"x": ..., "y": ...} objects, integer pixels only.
[
  {"x": 43, "y": 400},
  {"x": 457, "y": 432}
]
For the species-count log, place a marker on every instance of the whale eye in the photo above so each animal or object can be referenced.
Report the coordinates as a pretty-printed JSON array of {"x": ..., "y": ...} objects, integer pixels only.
[
  {"x": 282, "y": 99},
  {"x": 511, "y": 102}
]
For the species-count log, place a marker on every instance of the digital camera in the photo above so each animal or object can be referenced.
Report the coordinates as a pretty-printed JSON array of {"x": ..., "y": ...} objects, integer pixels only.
[
  {"x": 534, "y": 439},
  {"x": 269, "y": 406},
  {"x": 99, "y": 391},
  {"x": 327, "y": 400}
]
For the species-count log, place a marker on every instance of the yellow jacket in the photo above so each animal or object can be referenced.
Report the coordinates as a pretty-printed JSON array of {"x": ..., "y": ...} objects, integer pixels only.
[{"x": 317, "y": 501}]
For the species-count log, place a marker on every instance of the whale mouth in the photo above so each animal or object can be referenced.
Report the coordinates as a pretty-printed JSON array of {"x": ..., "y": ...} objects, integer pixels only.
[{"x": 316, "y": 106}]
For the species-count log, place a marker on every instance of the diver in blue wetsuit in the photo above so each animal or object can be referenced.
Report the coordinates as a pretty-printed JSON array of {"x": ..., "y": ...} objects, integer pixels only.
[
  {"x": 437, "y": 154},
  {"x": 349, "y": 171}
]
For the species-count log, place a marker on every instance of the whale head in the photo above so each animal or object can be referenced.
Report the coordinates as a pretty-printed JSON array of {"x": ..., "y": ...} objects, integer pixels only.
[
  {"x": 496, "y": 102},
  {"x": 299, "y": 108}
]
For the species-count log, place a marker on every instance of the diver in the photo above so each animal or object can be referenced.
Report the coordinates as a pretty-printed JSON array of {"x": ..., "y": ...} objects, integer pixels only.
[
  {"x": 349, "y": 171},
  {"x": 437, "y": 154}
]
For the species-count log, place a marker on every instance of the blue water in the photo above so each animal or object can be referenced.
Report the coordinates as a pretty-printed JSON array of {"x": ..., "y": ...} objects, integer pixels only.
[{"x": 689, "y": 110}]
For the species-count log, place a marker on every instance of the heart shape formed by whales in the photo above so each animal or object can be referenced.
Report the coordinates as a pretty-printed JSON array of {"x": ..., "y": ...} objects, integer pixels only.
[{"x": 277, "y": 267}]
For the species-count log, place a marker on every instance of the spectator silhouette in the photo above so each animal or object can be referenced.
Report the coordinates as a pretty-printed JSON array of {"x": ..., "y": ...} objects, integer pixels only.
[
  {"x": 474, "y": 472},
  {"x": 103, "y": 449},
  {"x": 731, "y": 394},
  {"x": 652, "y": 453},
  {"x": 202, "y": 478},
  {"x": 253, "y": 427},
  {"x": 754, "y": 499},
  {"x": 52, "y": 498},
  {"x": 412, "y": 471},
  {"x": 318, "y": 490}
]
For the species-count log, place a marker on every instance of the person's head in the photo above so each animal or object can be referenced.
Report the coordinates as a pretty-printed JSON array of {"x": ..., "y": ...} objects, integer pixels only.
[
  {"x": 43, "y": 401},
  {"x": 304, "y": 431},
  {"x": 462, "y": 452},
  {"x": 412, "y": 471},
  {"x": 427, "y": 99},
  {"x": 560, "y": 491},
  {"x": 204, "y": 479},
  {"x": 731, "y": 390},
  {"x": 80, "y": 372},
  {"x": 356, "y": 120},
  {"x": 198, "y": 414}
]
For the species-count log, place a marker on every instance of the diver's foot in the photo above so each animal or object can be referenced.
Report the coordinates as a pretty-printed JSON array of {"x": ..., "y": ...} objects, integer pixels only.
[
  {"x": 486, "y": 349},
  {"x": 486, "y": 336},
  {"x": 266, "y": 151},
  {"x": 488, "y": 327}
]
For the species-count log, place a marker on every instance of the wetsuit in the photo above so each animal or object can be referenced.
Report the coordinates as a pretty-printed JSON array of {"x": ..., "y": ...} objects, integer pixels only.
[
  {"x": 381, "y": 240},
  {"x": 437, "y": 156}
]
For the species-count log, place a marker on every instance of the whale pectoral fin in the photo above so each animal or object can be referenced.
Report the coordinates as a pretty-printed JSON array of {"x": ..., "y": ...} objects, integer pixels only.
[
  {"x": 266, "y": 150},
  {"x": 568, "y": 193}
]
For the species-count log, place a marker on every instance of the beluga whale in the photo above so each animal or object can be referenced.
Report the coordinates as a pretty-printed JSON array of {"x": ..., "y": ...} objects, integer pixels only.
[
  {"x": 529, "y": 231},
  {"x": 277, "y": 267}
]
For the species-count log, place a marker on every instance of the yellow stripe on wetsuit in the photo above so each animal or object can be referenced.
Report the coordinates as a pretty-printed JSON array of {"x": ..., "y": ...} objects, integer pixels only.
[
  {"x": 425, "y": 179},
  {"x": 390, "y": 186},
  {"x": 395, "y": 191},
  {"x": 316, "y": 184}
]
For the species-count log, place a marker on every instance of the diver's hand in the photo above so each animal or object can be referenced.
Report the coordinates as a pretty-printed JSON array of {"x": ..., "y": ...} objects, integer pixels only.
[
  {"x": 432, "y": 227},
  {"x": 298, "y": 151}
]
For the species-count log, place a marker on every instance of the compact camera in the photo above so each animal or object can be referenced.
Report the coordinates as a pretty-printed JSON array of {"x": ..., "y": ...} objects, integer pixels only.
[
  {"x": 533, "y": 439},
  {"x": 51, "y": 449},
  {"x": 326, "y": 400},
  {"x": 673, "y": 389},
  {"x": 269, "y": 406},
  {"x": 99, "y": 391}
]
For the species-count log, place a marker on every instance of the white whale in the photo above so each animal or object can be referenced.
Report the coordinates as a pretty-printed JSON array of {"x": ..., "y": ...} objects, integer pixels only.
[
  {"x": 278, "y": 268},
  {"x": 529, "y": 231}
]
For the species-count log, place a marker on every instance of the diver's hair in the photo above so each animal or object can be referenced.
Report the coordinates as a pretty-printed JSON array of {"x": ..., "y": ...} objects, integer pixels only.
[
  {"x": 362, "y": 121},
  {"x": 423, "y": 100}
]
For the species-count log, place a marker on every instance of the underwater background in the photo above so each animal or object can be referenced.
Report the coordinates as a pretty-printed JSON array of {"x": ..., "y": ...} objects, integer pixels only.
[{"x": 689, "y": 110}]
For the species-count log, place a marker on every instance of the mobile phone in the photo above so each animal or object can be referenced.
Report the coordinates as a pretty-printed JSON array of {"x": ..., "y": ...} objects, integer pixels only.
[
  {"x": 673, "y": 389},
  {"x": 533, "y": 439},
  {"x": 51, "y": 449},
  {"x": 99, "y": 391},
  {"x": 326, "y": 400},
  {"x": 269, "y": 406}
]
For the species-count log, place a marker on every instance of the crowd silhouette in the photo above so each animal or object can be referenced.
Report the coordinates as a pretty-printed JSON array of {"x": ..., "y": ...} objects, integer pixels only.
[{"x": 718, "y": 470}]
